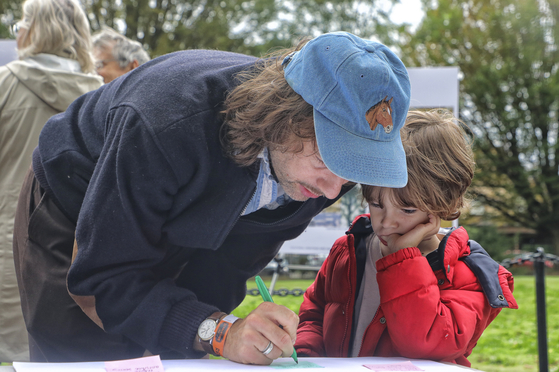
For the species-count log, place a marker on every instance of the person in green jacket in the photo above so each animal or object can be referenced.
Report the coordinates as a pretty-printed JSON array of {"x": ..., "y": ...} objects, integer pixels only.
[{"x": 55, "y": 67}]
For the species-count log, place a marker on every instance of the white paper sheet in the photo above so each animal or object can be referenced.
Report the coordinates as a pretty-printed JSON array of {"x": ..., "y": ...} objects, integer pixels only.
[{"x": 205, "y": 365}]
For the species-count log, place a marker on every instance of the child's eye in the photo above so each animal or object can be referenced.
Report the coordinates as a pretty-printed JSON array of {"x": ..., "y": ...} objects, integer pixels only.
[
  {"x": 409, "y": 211},
  {"x": 374, "y": 205}
]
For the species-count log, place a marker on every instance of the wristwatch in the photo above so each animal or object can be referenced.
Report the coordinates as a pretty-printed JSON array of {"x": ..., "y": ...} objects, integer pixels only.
[{"x": 206, "y": 331}]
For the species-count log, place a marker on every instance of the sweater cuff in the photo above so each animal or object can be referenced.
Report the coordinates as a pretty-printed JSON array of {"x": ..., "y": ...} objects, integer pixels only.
[
  {"x": 181, "y": 326},
  {"x": 397, "y": 257}
]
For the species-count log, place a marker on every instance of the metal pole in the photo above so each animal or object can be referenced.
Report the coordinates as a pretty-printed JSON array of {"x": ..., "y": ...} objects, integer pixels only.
[
  {"x": 275, "y": 276},
  {"x": 539, "y": 267},
  {"x": 273, "y": 284}
]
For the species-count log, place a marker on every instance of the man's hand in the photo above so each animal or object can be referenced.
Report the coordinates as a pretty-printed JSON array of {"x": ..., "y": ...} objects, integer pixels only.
[
  {"x": 412, "y": 238},
  {"x": 250, "y": 336}
]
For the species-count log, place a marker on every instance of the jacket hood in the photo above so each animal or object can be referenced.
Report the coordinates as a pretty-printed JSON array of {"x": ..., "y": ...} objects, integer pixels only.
[
  {"x": 54, "y": 83},
  {"x": 453, "y": 246}
]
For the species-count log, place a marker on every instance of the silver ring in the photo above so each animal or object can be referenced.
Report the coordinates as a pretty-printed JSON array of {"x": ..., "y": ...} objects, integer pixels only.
[{"x": 268, "y": 349}]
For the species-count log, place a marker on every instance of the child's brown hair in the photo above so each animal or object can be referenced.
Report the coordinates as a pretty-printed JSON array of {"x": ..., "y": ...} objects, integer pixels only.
[{"x": 440, "y": 164}]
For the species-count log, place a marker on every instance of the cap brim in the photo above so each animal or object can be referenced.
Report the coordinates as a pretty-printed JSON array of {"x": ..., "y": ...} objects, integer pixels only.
[{"x": 359, "y": 159}]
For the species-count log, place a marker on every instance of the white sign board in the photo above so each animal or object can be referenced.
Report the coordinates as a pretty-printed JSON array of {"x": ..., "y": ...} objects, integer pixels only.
[
  {"x": 314, "y": 240},
  {"x": 434, "y": 87}
]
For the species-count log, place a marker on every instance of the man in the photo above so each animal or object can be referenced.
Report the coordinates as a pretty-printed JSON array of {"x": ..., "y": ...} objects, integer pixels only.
[
  {"x": 115, "y": 54},
  {"x": 182, "y": 180}
]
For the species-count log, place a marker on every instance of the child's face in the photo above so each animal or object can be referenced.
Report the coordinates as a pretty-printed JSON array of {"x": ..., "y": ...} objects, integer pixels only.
[{"x": 388, "y": 218}]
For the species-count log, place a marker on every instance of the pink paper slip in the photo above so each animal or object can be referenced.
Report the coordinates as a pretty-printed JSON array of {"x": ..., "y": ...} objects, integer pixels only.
[
  {"x": 403, "y": 366},
  {"x": 146, "y": 364}
]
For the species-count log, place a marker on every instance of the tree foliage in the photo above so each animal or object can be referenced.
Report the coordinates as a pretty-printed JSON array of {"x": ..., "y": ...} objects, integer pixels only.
[
  {"x": 499, "y": 246},
  {"x": 11, "y": 13},
  {"x": 507, "y": 52},
  {"x": 252, "y": 27}
]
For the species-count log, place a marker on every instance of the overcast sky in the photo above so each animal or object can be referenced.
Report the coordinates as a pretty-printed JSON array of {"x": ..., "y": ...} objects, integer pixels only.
[{"x": 407, "y": 11}]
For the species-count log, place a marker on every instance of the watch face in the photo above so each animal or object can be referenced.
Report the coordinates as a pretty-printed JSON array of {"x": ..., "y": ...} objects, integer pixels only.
[{"x": 207, "y": 329}]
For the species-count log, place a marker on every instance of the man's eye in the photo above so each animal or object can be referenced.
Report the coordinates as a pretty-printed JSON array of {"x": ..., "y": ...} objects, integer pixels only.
[{"x": 319, "y": 164}]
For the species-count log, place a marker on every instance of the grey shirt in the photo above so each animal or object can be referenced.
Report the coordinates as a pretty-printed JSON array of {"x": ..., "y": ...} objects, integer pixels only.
[{"x": 368, "y": 299}]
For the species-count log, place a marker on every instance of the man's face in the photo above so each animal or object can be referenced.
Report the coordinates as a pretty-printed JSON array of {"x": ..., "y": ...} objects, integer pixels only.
[
  {"x": 303, "y": 175},
  {"x": 106, "y": 65}
]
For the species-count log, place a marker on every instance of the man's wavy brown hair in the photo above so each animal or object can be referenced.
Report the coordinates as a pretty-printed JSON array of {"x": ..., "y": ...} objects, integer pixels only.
[
  {"x": 440, "y": 164},
  {"x": 264, "y": 111}
]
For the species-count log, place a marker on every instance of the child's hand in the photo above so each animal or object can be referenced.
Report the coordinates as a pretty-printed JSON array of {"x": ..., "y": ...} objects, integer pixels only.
[{"x": 413, "y": 238}]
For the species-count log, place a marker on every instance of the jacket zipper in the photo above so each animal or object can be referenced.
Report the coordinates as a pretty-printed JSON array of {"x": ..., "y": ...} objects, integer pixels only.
[{"x": 367, "y": 329}]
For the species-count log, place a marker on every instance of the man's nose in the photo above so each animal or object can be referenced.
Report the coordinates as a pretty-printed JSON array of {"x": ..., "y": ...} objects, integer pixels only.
[{"x": 332, "y": 185}]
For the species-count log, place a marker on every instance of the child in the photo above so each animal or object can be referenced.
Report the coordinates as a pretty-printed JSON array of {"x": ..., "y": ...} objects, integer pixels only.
[{"x": 393, "y": 286}]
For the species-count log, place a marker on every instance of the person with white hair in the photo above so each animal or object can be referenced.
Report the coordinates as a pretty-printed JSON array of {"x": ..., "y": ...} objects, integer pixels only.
[
  {"x": 55, "y": 67},
  {"x": 116, "y": 54}
]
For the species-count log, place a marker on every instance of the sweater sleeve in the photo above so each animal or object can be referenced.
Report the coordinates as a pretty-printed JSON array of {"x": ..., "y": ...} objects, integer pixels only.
[
  {"x": 121, "y": 237},
  {"x": 431, "y": 318}
]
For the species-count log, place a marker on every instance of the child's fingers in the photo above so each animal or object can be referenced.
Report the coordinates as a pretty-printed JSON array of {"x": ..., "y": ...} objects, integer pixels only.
[
  {"x": 415, "y": 236},
  {"x": 433, "y": 225}
]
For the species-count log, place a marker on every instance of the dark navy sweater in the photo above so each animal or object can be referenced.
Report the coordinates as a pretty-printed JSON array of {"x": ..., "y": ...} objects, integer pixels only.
[{"x": 139, "y": 167}]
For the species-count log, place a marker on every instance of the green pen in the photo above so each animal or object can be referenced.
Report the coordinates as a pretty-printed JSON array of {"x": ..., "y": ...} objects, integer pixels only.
[{"x": 268, "y": 298}]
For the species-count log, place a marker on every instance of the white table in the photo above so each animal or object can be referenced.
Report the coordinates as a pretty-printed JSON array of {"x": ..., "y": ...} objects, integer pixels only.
[{"x": 207, "y": 365}]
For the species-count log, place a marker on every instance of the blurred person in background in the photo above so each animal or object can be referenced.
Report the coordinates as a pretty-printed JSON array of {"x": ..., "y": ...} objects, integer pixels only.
[
  {"x": 55, "y": 67},
  {"x": 115, "y": 54}
]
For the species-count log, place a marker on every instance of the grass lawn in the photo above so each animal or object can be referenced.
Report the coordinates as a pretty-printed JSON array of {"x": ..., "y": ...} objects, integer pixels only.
[{"x": 509, "y": 344}]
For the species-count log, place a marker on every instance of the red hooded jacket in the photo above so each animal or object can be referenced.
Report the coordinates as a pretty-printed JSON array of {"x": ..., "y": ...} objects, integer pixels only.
[{"x": 433, "y": 307}]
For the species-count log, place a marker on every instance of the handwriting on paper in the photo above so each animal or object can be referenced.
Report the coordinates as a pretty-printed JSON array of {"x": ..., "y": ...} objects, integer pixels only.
[
  {"x": 146, "y": 364},
  {"x": 403, "y": 366},
  {"x": 289, "y": 365}
]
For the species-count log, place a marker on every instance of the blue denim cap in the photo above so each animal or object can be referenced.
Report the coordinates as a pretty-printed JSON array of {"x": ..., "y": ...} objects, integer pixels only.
[{"x": 360, "y": 92}]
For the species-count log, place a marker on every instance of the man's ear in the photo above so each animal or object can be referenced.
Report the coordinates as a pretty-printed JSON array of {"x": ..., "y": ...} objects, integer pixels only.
[{"x": 132, "y": 65}]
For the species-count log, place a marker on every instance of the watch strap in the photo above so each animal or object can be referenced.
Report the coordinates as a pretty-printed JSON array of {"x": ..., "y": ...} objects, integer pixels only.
[
  {"x": 221, "y": 332},
  {"x": 207, "y": 345}
]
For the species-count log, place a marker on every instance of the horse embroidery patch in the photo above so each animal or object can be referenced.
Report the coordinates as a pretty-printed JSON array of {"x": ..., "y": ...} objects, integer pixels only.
[{"x": 381, "y": 113}]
